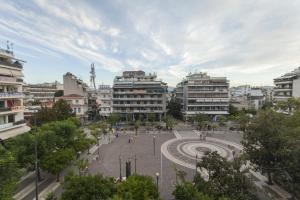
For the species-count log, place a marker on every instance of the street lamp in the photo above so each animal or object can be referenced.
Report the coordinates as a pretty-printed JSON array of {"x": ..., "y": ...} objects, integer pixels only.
[
  {"x": 157, "y": 177},
  {"x": 98, "y": 145},
  {"x": 154, "y": 145}
]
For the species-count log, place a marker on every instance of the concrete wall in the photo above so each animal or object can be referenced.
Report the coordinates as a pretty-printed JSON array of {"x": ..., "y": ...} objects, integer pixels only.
[
  {"x": 72, "y": 87},
  {"x": 296, "y": 87}
]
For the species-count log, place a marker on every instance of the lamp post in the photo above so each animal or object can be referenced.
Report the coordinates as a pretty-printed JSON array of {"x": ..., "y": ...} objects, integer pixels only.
[
  {"x": 36, "y": 159},
  {"x": 157, "y": 177},
  {"x": 98, "y": 139},
  {"x": 120, "y": 168},
  {"x": 154, "y": 145},
  {"x": 196, "y": 162}
]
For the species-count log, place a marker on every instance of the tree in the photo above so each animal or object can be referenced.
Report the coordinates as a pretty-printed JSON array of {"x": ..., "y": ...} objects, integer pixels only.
[
  {"x": 113, "y": 119},
  {"x": 138, "y": 187},
  {"x": 59, "y": 93},
  {"x": 243, "y": 119},
  {"x": 170, "y": 122},
  {"x": 137, "y": 125},
  {"x": 225, "y": 179},
  {"x": 9, "y": 174},
  {"x": 233, "y": 110},
  {"x": 174, "y": 109},
  {"x": 186, "y": 190},
  {"x": 57, "y": 161},
  {"x": 202, "y": 120},
  {"x": 263, "y": 141},
  {"x": 63, "y": 110},
  {"x": 81, "y": 164},
  {"x": 88, "y": 187}
]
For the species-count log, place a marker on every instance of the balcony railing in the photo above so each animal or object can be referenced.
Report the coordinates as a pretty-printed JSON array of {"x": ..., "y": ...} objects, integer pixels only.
[
  {"x": 16, "y": 64},
  {"x": 11, "y": 124},
  {"x": 13, "y": 109},
  {"x": 4, "y": 126},
  {"x": 11, "y": 94}
]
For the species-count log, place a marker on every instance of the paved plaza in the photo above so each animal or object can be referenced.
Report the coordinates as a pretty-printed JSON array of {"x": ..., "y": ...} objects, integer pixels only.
[{"x": 180, "y": 149}]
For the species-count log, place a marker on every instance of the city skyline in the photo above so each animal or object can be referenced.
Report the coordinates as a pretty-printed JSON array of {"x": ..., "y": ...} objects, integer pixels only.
[{"x": 248, "y": 42}]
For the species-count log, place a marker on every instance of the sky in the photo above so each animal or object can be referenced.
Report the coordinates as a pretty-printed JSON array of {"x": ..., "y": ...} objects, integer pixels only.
[{"x": 249, "y": 42}]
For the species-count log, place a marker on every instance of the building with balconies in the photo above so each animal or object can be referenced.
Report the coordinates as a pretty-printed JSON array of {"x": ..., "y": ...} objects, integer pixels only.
[
  {"x": 287, "y": 86},
  {"x": 136, "y": 95},
  {"x": 43, "y": 92},
  {"x": 12, "y": 121},
  {"x": 104, "y": 100},
  {"x": 200, "y": 93}
]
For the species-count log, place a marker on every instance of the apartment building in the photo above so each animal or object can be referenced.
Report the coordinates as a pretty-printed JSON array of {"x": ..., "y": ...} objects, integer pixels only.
[
  {"x": 287, "y": 86},
  {"x": 12, "y": 121},
  {"x": 136, "y": 94},
  {"x": 200, "y": 93},
  {"x": 43, "y": 92},
  {"x": 76, "y": 94},
  {"x": 104, "y": 100}
]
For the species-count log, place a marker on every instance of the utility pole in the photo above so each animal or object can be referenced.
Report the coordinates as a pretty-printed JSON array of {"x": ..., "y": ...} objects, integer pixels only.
[
  {"x": 135, "y": 164},
  {"x": 154, "y": 145},
  {"x": 36, "y": 160},
  {"x": 120, "y": 168}
]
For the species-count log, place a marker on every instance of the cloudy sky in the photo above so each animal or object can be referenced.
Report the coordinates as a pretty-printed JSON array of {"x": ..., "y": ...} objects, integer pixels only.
[{"x": 250, "y": 42}]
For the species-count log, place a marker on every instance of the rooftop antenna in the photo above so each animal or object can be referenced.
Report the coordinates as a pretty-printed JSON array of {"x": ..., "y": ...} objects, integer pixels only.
[
  {"x": 7, "y": 45},
  {"x": 93, "y": 76},
  {"x": 12, "y": 47}
]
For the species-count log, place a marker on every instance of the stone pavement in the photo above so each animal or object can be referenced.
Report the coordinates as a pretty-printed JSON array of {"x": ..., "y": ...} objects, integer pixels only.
[{"x": 146, "y": 162}]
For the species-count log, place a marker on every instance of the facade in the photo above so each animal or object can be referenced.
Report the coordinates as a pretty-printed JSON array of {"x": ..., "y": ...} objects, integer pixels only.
[
  {"x": 12, "y": 121},
  {"x": 200, "y": 93},
  {"x": 77, "y": 102},
  {"x": 247, "y": 97},
  {"x": 136, "y": 95},
  {"x": 256, "y": 98},
  {"x": 43, "y": 92},
  {"x": 76, "y": 94},
  {"x": 74, "y": 85},
  {"x": 104, "y": 100},
  {"x": 287, "y": 86}
]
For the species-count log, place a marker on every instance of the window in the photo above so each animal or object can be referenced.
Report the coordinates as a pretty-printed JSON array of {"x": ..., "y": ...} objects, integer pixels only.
[
  {"x": 76, "y": 100},
  {"x": 79, "y": 110}
]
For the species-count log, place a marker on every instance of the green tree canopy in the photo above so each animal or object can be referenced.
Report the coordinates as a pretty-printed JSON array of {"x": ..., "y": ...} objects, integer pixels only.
[
  {"x": 88, "y": 187},
  {"x": 174, "y": 109},
  {"x": 9, "y": 174},
  {"x": 138, "y": 187},
  {"x": 264, "y": 140}
]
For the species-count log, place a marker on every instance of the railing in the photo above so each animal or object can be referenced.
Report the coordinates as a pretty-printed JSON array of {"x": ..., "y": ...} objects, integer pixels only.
[
  {"x": 15, "y": 64},
  {"x": 23, "y": 121},
  {"x": 11, "y": 124},
  {"x": 14, "y": 109},
  {"x": 3, "y": 126},
  {"x": 11, "y": 94},
  {"x": 7, "y": 79},
  {"x": 5, "y": 109},
  {"x": 17, "y": 108}
]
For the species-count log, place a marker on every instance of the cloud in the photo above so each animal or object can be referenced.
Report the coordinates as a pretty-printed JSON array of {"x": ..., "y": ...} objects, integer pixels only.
[{"x": 243, "y": 40}]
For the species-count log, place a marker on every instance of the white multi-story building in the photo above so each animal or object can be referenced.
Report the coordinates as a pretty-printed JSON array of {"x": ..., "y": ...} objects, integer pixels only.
[
  {"x": 104, "y": 100},
  {"x": 43, "y": 92},
  {"x": 12, "y": 121},
  {"x": 136, "y": 94},
  {"x": 287, "y": 86},
  {"x": 200, "y": 93}
]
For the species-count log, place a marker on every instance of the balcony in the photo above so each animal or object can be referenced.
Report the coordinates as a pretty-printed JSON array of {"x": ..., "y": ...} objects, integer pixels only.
[
  {"x": 11, "y": 95},
  {"x": 16, "y": 64},
  {"x": 12, "y": 125},
  {"x": 7, "y": 110}
]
